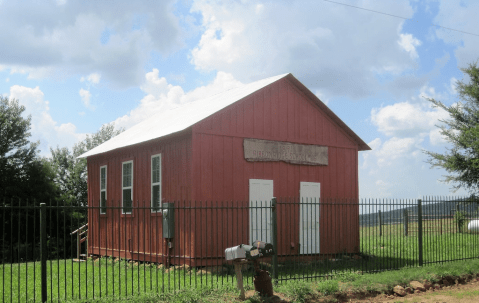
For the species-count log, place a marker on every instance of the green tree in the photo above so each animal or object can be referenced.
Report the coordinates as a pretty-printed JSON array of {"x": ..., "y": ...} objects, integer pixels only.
[
  {"x": 25, "y": 179},
  {"x": 71, "y": 172},
  {"x": 19, "y": 162},
  {"x": 461, "y": 161}
]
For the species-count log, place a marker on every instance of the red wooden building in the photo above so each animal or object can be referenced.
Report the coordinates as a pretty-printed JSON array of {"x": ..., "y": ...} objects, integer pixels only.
[{"x": 270, "y": 138}]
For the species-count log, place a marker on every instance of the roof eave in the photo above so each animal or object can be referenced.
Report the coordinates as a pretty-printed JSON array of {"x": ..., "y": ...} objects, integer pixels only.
[
  {"x": 169, "y": 136},
  {"x": 362, "y": 146}
]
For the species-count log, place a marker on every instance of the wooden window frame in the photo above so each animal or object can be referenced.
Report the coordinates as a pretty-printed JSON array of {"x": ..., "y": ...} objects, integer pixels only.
[
  {"x": 152, "y": 184},
  {"x": 123, "y": 188},
  {"x": 103, "y": 207}
]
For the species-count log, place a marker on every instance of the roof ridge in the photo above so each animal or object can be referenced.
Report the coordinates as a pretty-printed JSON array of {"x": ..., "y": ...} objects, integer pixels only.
[{"x": 162, "y": 124}]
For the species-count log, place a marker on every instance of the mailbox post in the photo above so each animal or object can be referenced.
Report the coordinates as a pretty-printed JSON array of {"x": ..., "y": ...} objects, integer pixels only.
[{"x": 243, "y": 254}]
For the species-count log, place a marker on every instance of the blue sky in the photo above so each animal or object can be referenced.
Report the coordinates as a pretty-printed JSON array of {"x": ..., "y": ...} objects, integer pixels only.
[{"x": 77, "y": 65}]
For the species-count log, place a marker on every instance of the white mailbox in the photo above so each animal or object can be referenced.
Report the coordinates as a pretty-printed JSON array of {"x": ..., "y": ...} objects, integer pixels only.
[
  {"x": 473, "y": 226},
  {"x": 236, "y": 252}
]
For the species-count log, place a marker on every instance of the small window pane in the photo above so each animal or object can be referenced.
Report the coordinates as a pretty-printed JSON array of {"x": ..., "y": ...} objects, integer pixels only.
[
  {"x": 127, "y": 204},
  {"x": 103, "y": 202},
  {"x": 155, "y": 167},
  {"x": 103, "y": 178},
  {"x": 156, "y": 198},
  {"x": 127, "y": 174}
]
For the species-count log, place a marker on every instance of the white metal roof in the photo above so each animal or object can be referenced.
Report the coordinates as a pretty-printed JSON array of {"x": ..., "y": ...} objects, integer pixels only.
[{"x": 180, "y": 118}]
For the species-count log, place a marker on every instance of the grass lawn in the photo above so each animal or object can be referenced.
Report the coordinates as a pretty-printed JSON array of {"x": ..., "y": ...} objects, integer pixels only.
[
  {"x": 101, "y": 278},
  {"x": 110, "y": 279}
]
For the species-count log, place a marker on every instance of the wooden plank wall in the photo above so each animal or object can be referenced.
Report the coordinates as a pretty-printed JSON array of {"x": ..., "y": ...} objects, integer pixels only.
[
  {"x": 125, "y": 235},
  {"x": 279, "y": 112}
]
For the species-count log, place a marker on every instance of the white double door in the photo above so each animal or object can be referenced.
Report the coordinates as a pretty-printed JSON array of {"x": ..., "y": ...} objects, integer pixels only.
[{"x": 260, "y": 195}]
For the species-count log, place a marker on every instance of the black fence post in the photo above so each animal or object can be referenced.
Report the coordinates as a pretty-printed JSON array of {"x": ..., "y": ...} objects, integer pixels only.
[
  {"x": 419, "y": 230},
  {"x": 380, "y": 220},
  {"x": 43, "y": 250},
  {"x": 406, "y": 222},
  {"x": 457, "y": 216},
  {"x": 274, "y": 237}
]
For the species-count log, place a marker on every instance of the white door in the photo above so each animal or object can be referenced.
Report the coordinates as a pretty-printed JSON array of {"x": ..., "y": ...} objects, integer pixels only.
[
  {"x": 309, "y": 216},
  {"x": 260, "y": 194}
]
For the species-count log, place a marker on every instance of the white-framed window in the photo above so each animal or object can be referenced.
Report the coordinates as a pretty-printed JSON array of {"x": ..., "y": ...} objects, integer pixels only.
[
  {"x": 127, "y": 187},
  {"x": 103, "y": 183},
  {"x": 155, "y": 183}
]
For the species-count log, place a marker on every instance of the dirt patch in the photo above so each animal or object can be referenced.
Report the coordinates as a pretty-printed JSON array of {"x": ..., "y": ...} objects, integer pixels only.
[
  {"x": 467, "y": 292},
  {"x": 450, "y": 289}
]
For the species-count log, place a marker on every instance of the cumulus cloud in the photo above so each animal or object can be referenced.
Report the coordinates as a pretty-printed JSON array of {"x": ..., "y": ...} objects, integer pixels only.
[
  {"x": 44, "y": 128},
  {"x": 436, "y": 138},
  {"x": 75, "y": 37},
  {"x": 452, "y": 86},
  {"x": 93, "y": 78},
  {"x": 254, "y": 40},
  {"x": 409, "y": 43},
  {"x": 406, "y": 119},
  {"x": 160, "y": 96},
  {"x": 85, "y": 96},
  {"x": 396, "y": 166},
  {"x": 413, "y": 118},
  {"x": 462, "y": 16},
  {"x": 388, "y": 152}
]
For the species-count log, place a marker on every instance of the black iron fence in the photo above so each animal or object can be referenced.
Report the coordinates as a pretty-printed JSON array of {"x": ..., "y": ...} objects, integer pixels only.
[{"x": 56, "y": 252}]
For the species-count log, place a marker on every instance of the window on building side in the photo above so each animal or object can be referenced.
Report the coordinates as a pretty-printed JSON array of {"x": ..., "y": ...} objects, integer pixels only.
[
  {"x": 103, "y": 190},
  {"x": 155, "y": 183},
  {"x": 127, "y": 187}
]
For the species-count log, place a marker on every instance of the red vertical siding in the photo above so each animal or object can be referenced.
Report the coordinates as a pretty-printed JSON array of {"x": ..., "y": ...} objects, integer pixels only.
[
  {"x": 207, "y": 168},
  {"x": 139, "y": 235},
  {"x": 279, "y": 112}
]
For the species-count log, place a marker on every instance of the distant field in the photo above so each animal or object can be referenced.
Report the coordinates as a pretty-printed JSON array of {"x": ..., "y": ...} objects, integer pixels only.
[{"x": 441, "y": 242}]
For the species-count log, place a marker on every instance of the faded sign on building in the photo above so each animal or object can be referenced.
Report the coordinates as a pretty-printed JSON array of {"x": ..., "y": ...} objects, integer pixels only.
[{"x": 264, "y": 150}]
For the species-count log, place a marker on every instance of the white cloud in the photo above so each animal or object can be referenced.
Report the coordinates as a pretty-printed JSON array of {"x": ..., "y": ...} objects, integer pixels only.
[
  {"x": 410, "y": 118},
  {"x": 409, "y": 43},
  {"x": 383, "y": 188},
  {"x": 375, "y": 144},
  {"x": 436, "y": 138},
  {"x": 44, "y": 128},
  {"x": 160, "y": 96},
  {"x": 393, "y": 168},
  {"x": 428, "y": 92},
  {"x": 396, "y": 166},
  {"x": 461, "y": 16},
  {"x": 321, "y": 96},
  {"x": 93, "y": 78},
  {"x": 395, "y": 148},
  {"x": 85, "y": 96},
  {"x": 66, "y": 38},
  {"x": 452, "y": 86},
  {"x": 314, "y": 40}
]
